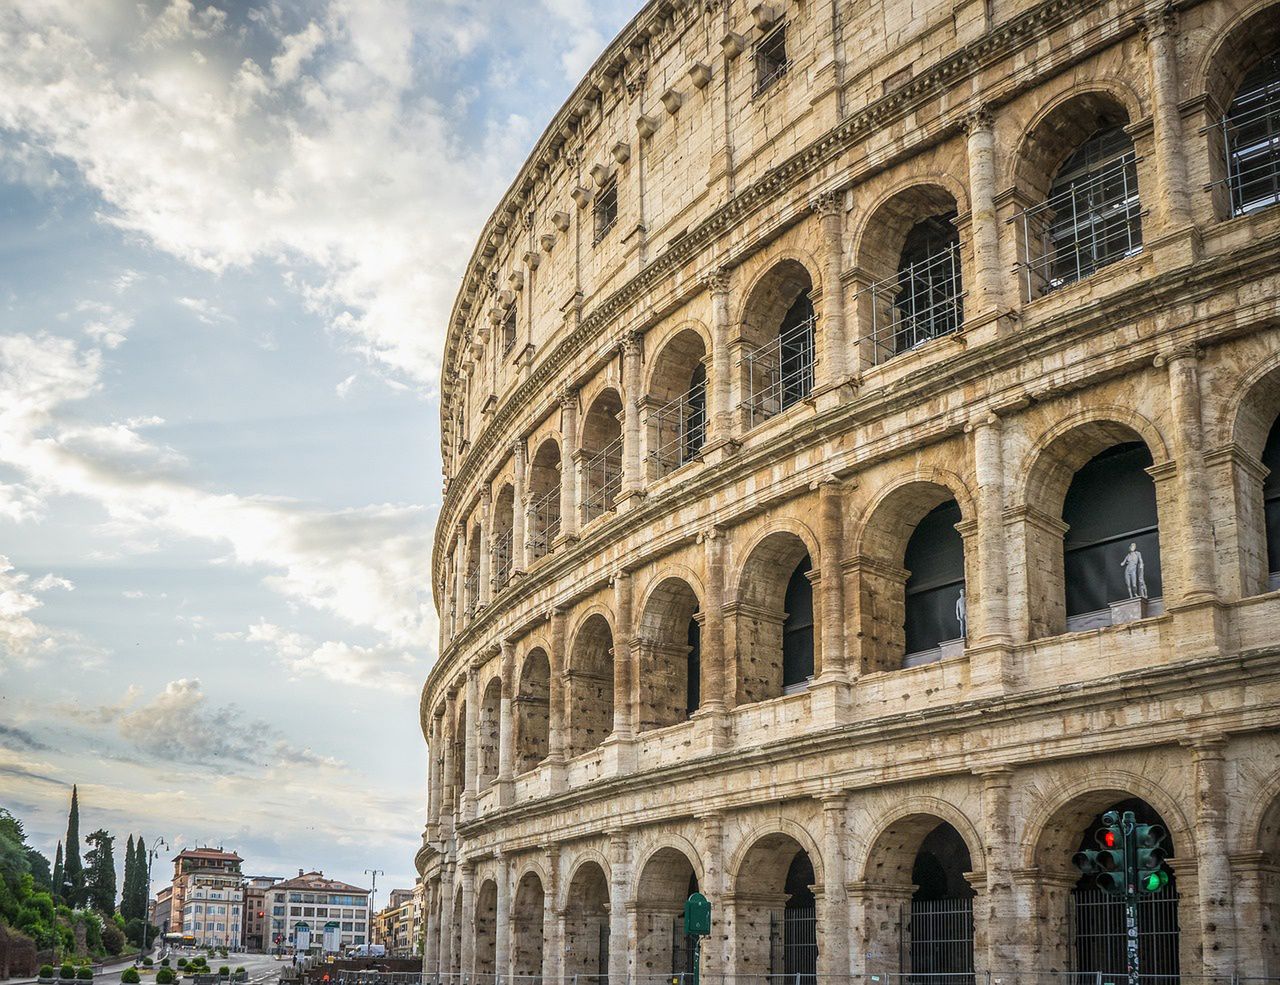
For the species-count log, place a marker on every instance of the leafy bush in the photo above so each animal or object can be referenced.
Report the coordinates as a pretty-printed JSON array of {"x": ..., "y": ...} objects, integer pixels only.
[
  {"x": 67, "y": 971},
  {"x": 164, "y": 976},
  {"x": 224, "y": 971},
  {"x": 182, "y": 962},
  {"x": 112, "y": 937},
  {"x": 84, "y": 974},
  {"x": 165, "y": 962},
  {"x": 46, "y": 971},
  {"x": 239, "y": 969},
  {"x": 130, "y": 976},
  {"x": 147, "y": 962}
]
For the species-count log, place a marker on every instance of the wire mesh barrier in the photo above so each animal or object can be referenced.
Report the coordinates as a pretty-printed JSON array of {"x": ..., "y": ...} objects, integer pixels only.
[
  {"x": 780, "y": 372},
  {"x": 921, "y": 302},
  {"x": 1100, "y": 934},
  {"x": 1251, "y": 141},
  {"x": 680, "y": 428},
  {"x": 601, "y": 480},
  {"x": 544, "y": 522},
  {"x": 502, "y": 556},
  {"x": 941, "y": 936},
  {"x": 471, "y": 590},
  {"x": 1091, "y": 222}
]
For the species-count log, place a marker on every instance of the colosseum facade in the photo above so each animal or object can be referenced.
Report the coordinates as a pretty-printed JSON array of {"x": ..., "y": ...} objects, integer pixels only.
[{"x": 862, "y": 471}]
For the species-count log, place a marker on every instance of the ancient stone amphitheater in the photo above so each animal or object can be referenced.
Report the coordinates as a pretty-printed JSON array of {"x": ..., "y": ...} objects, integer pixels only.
[{"x": 862, "y": 472}]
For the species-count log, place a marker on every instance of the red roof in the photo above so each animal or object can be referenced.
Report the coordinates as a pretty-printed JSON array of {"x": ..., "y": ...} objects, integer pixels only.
[
  {"x": 212, "y": 854},
  {"x": 315, "y": 881}
]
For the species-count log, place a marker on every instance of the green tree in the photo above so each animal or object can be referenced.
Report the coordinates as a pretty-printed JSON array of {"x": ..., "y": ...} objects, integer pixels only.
[
  {"x": 100, "y": 872},
  {"x": 127, "y": 889},
  {"x": 72, "y": 868},
  {"x": 40, "y": 869},
  {"x": 56, "y": 885},
  {"x": 142, "y": 889}
]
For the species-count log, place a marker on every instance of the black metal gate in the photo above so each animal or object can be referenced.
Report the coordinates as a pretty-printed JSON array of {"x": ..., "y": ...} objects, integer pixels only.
[
  {"x": 938, "y": 935},
  {"x": 682, "y": 952},
  {"x": 793, "y": 943},
  {"x": 1099, "y": 934},
  {"x": 603, "y": 964}
]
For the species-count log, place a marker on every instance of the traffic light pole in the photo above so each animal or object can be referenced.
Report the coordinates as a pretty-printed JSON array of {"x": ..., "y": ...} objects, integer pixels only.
[{"x": 1128, "y": 825}]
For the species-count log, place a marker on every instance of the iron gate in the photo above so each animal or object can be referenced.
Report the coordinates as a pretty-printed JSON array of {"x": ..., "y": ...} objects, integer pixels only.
[
  {"x": 682, "y": 952},
  {"x": 939, "y": 938},
  {"x": 793, "y": 943},
  {"x": 1098, "y": 930},
  {"x": 603, "y": 964}
]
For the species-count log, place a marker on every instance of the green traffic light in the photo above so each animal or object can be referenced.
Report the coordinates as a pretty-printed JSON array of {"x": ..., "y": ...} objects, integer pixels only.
[{"x": 1156, "y": 881}]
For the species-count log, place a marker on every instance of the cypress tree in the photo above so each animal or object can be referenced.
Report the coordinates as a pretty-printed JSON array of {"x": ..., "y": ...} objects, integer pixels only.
[
  {"x": 143, "y": 887},
  {"x": 101, "y": 872},
  {"x": 58, "y": 888},
  {"x": 128, "y": 895},
  {"x": 73, "y": 870}
]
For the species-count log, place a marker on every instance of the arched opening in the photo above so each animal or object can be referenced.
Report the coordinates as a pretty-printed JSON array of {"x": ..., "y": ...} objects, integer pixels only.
[
  {"x": 778, "y": 331},
  {"x": 460, "y": 752},
  {"x": 601, "y": 455},
  {"x": 911, "y": 254},
  {"x": 662, "y": 948},
  {"x": 471, "y": 583},
  {"x": 677, "y": 404},
  {"x": 917, "y": 869},
  {"x": 1262, "y": 936},
  {"x": 544, "y": 499},
  {"x": 455, "y": 948},
  {"x": 586, "y": 925},
  {"x": 503, "y": 533},
  {"x": 773, "y": 620},
  {"x": 527, "y": 927},
  {"x": 1111, "y": 551},
  {"x": 590, "y": 687},
  {"x": 935, "y": 612},
  {"x": 1080, "y": 162},
  {"x": 1271, "y": 504},
  {"x": 486, "y": 928},
  {"x": 775, "y": 913},
  {"x": 669, "y": 644},
  {"x": 533, "y": 711},
  {"x": 488, "y": 733}
]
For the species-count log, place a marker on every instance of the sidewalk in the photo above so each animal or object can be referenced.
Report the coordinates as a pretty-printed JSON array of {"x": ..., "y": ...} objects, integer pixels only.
[{"x": 110, "y": 968}]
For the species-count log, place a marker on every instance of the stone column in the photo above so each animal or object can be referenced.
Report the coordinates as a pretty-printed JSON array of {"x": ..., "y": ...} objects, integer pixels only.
[
  {"x": 506, "y": 729},
  {"x": 619, "y": 884},
  {"x": 472, "y": 725},
  {"x": 446, "y": 920},
  {"x": 436, "y": 789},
  {"x": 1172, "y": 205},
  {"x": 502, "y": 929},
  {"x": 431, "y": 936},
  {"x": 552, "y": 921},
  {"x": 460, "y": 578},
  {"x": 713, "y": 887},
  {"x": 519, "y": 507},
  {"x": 988, "y": 289},
  {"x": 484, "y": 591},
  {"x": 568, "y": 465},
  {"x": 992, "y": 609},
  {"x": 468, "y": 875},
  {"x": 831, "y": 578},
  {"x": 632, "y": 395},
  {"x": 449, "y": 791},
  {"x": 1193, "y": 483},
  {"x": 999, "y": 912},
  {"x": 833, "y": 950},
  {"x": 623, "y": 707},
  {"x": 1213, "y": 865},
  {"x": 555, "y": 727},
  {"x": 830, "y": 210},
  {"x": 720, "y": 386},
  {"x": 713, "y": 685}
]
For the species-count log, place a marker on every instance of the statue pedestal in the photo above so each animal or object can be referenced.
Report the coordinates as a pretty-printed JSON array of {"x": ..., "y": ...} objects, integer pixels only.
[
  {"x": 1130, "y": 610},
  {"x": 950, "y": 649}
]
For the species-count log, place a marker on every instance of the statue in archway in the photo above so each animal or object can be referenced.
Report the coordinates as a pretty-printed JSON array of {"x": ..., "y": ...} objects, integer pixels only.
[
  {"x": 962, "y": 615},
  {"x": 1135, "y": 580}
]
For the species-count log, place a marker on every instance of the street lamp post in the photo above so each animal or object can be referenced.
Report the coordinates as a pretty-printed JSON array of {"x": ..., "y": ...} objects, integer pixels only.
[
  {"x": 152, "y": 852},
  {"x": 373, "y": 895}
]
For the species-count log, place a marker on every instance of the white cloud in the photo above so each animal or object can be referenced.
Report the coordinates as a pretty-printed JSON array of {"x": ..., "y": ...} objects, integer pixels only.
[
  {"x": 22, "y": 639},
  {"x": 383, "y": 668},
  {"x": 204, "y": 310}
]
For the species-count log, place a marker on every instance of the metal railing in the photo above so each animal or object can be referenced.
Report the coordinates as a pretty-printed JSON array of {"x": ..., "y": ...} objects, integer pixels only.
[
  {"x": 502, "y": 556},
  {"x": 780, "y": 372},
  {"x": 1100, "y": 935},
  {"x": 544, "y": 522},
  {"x": 471, "y": 592},
  {"x": 1091, "y": 223},
  {"x": 601, "y": 480},
  {"x": 941, "y": 935},
  {"x": 680, "y": 427},
  {"x": 921, "y": 302},
  {"x": 1251, "y": 148}
]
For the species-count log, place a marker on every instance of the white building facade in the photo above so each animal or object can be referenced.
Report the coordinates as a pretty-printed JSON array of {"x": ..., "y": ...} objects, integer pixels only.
[
  {"x": 312, "y": 914},
  {"x": 213, "y": 909}
]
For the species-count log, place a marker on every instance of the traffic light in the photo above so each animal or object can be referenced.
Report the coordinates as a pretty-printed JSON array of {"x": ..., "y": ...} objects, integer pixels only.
[
  {"x": 1151, "y": 874},
  {"x": 1106, "y": 863}
]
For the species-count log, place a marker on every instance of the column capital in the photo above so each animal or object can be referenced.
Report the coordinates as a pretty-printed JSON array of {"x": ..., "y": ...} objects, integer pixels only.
[
  {"x": 979, "y": 120},
  {"x": 632, "y": 342},
  {"x": 1206, "y": 746},
  {"x": 717, "y": 280},
  {"x": 1180, "y": 353},
  {"x": 568, "y": 397},
  {"x": 987, "y": 418},
  {"x": 836, "y": 800},
  {"x": 827, "y": 204},
  {"x": 1157, "y": 23}
]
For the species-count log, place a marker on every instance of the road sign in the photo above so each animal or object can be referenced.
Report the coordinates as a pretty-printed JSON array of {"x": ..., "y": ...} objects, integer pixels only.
[{"x": 697, "y": 915}]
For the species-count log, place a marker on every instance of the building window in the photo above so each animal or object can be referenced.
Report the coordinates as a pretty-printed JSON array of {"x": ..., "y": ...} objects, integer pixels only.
[
  {"x": 509, "y": 326},
  {"x": 606, "y": 209},
  {"x": 1271, "y": 504},
  {"x": 771, "y": 57},
  {"x": 934, "y": 610},
  {"x": 797, "y": 630},
  {"x": 1252, "y": 133},
  {"x": 693, "y": 670}
]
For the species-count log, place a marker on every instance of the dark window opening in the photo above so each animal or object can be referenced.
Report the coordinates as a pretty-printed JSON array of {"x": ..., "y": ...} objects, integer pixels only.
[
  {"x": 797, "y": 629},
  {"x": 693, "y": 684},
  {"x": 935, "y": 605},
  {"x": 771, "y": 57},
  {"x": 509, "y": 331},
  {"x": 696, "y": 428},
  {"x": 928, "y": 302},
  {"x": 606, "y": 209},
  {"x": 795, "y": 336},
  {"x": 1271, "y": 501},
  {"x": 1252, "y": 133},
  {"x": 1111, "y": 551}
]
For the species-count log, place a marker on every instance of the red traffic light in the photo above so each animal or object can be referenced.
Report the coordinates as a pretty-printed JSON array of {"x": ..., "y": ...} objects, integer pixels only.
[{"x": 1108, "y": 838}]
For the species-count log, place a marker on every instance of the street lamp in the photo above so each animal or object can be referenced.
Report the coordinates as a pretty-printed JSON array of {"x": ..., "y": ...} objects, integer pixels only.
[
  {"x": 373, "y": 895},
  {"x": 152, "y": 852}
]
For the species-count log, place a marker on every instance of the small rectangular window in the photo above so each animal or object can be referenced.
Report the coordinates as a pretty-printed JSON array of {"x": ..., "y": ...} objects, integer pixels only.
[
  {"x": 509, "y": 331},
  {"x": 771, "y": 57},
  {"x": 606, "y": 209}
]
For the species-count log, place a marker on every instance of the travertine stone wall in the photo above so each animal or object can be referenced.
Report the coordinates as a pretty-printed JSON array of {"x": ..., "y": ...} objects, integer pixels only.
[{"x": 569, "y": 790}]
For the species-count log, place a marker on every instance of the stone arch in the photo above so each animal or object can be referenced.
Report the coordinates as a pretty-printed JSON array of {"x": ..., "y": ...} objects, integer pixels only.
[
  {"x": 660, "y": 341},
  {"x": 503, "y": 527},
  {"x": 600, "y": 446},
  {"x": 903, "y": 619},
  {"x": 897, "y": 821},
  {"x": 666, "y": 878},
  {"x": 781, "y": 268},
  {"x": 455, "y": 949},
  {"x": 543, "y": 525},
  {"x": 774, "y": 877},
  {"x": 781, "y": 826},
  {"x": 471, "y": 582},
  {"x": 773, "y": 566},
  {"x": 668, "y": 640},
  {"x": 485, "y": 954},
  {"x": 779, "y": 338},
  {"x": 1046, "y": 477},
  {"x": 487, "y": 735},
  {"x": 528, "y": 910},
  {"x": 675, "y": 401},
  {"x": 589, "y": 698},
  {"x": 459, "y": 749},
  {"x": 532, "y": 710},
  {"x": 587, "y": 930}
]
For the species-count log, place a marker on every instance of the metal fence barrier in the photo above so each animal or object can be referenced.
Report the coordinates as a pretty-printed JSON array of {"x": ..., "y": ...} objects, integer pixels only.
[
  {"x": 921, "y": 302},
  {"x": 780, "y": 372}
]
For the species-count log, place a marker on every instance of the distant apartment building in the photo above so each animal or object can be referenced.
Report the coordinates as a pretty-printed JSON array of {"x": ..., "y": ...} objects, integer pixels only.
[
  {"x": 162, "y": 909},
  {"x": 398, "y": 926},
  {"x": 207, "y": 896},
  {"x": 312, "y": 914},
  {"x": 256, "y": 926}
]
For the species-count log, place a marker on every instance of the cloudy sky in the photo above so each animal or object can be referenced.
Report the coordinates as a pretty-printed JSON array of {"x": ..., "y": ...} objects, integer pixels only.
[{"x": 230, "y": 234}]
